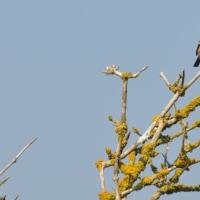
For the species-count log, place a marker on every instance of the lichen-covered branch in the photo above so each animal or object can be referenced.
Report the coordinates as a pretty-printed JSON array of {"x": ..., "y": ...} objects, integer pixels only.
[
  {"x": 174, "y": 188},
  {"x": 168, "y": 106},
  {"x": 127, "y": 173},
  {"x": 114, "y": 70}
]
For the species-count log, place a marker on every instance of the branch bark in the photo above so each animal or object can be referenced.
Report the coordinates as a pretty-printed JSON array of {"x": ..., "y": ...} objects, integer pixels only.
[
  {"x": 169, "y": 105},
  {"x": 153, "y": 133},
  {"x": 14, "y": 160}
]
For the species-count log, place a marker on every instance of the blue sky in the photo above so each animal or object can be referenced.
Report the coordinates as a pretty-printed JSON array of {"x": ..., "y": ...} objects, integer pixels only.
[{"x": 52, "y": 55}]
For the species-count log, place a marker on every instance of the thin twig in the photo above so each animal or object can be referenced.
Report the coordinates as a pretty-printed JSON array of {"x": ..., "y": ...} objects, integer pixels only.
[
  {"x": 4, "y": 181},
  {"x": 184, "y": 126},
  {"x": 170, "y": 104},
  {"x": 139, "y": 72},
  {"x": 196, "y": 77},
  {"x": 164, "y": 78},
  {"x": 124, "y": 99},
  {"x": 14, "y": 160},
  {"x": 183, "y": 78},
  {"x": 166, "y": 162},
  {"x": 158, "y": 131},
  {"x": 16, "y": 197}
]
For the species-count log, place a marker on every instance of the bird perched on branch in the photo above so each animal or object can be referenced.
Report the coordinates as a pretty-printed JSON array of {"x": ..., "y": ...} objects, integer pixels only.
[{"x": 197, "y": 62}]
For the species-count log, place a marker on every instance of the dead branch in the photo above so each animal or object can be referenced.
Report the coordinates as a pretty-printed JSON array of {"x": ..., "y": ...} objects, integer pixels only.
[
  {"x": 102, "y": 179},
  {"x": 164, "y": 78},
  {"x": 145, "y": 146},
  {"x": 14, "y": 160},
  {"x": 169, "y": 105},
  {"x": 16, "y": 197},
  {"x": 4, "y": 181},
  {"x": 195, "y": 78},
  {"x": 114, "y": 70},
  {"x": 139, "y": 72}
]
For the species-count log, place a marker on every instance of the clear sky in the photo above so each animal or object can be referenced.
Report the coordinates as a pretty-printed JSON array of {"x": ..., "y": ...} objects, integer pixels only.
[{"x": 52, "y": 53}]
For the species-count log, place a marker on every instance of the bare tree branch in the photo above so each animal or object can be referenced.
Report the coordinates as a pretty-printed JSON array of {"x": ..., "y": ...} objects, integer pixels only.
[
  {"x": 114, "y": 70},
  {"x": 158, "y": 131},
  {"x": 14, "y": 160},
  {"x": 4, "y": 181},
  {"x": 102, "y": 179},
  {"x": 164, "y": 78},
  {"x": 195, "y": 78},
  {"x": 16, "y": 197},
  {"x": 124, "y": 99},
  {"x": 139, "y": 72},
  {"x": 166, "y": 149}
]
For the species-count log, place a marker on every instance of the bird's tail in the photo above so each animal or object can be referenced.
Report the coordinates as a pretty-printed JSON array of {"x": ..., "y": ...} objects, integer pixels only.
[{"x": 196, "y": 64}]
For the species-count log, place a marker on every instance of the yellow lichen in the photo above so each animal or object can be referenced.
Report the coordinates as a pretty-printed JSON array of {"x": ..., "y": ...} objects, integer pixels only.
[
  {"x": 126, "y": 182},
  {"x": 171, "y": 188},
  {"x": 148, "y": 180},
  {"x": 131, "y": 174},
  {"x": 132, "y": 157},
  {"x": 136, "y": 130},
  {"x": 191, "y": 147},
  {"x": 195, "y": 124},
  {"x": 121, "y": 129},
  {"x": 177, "y": 174},
  {"x": 176, "y": 88},
  {"x": 106, "y": 196},
  {"x": 127, "y": 75},
  {"x": 112, "y": 161},
  {"x": 148, "y": 151},
  {"x": 155, "y": 118},
  {"x": 109, "y": 152},
  {"x": 186, "y": 110},
  {"x": 148, "y": 148},
  {"x": 167, "y": 189},
  {"x": 183, "y": 161},
  {"x": 99, "y": 164},
  {"x": 132, "y": 169},
  {"x": 161, "y": 174}
]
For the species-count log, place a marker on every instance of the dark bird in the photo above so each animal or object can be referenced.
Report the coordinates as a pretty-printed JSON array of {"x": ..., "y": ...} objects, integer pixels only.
[{"x": 196, "y": 64}]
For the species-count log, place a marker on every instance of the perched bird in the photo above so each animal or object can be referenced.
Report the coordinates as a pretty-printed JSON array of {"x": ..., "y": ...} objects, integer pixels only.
[{"x": 196, "y": 64}]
